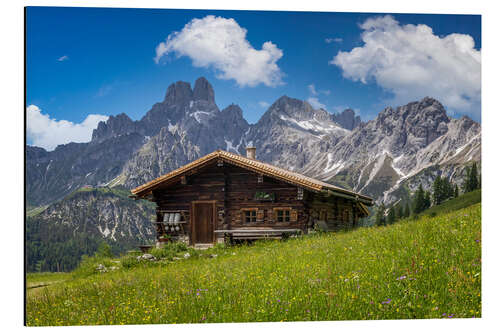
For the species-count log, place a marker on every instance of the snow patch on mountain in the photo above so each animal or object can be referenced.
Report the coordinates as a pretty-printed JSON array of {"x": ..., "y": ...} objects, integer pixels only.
[
  {"x": 105, "y": 232},
  {"x": 199, "y": 115},
  {"x": 331, "y": 166},
  {"x": 393, "y": 165},
  {"x": 315, "y": 125},
  {"x": 230, "y": 147},
  {"x": 172, "y": 128}
]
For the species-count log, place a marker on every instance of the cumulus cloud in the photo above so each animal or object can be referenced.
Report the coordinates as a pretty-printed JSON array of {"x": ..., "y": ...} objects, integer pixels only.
[
  {"x": 47, "y": 133},
  {"x": 412, "y": 62},
  {"x": 315, "y": 103},
  {"x": 264, "y": 104},
  {"x": 313, "y": 98},
  {"x": 221, "y": 44},
  {"x": 104, "y": 90},
  {"x": 314, "y": 92},
  {"x": 332, "y": 40},
  {"x": 63, "y": 58},
  {"x": 312, "y": 89}
]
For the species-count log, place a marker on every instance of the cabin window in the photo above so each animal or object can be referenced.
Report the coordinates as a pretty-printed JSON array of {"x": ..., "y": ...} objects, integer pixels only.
[
  {"x": 260, "y": 178},
  {"x": 282, "y": 215},
  {"x": 250, "y": 215}
]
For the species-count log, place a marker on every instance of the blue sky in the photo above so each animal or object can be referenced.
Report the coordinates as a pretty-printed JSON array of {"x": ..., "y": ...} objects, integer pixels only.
[{"x": 83, "y": 61}]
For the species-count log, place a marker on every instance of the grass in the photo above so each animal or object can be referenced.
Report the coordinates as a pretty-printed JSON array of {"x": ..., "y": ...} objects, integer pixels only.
[
  {"x": 37, "y": 282},
  {"x": 33, "y": 211},
  {"x": 464, "y": 200},
  {"x": 425, "y": 268},
  {"x": 35, "y": 279}
]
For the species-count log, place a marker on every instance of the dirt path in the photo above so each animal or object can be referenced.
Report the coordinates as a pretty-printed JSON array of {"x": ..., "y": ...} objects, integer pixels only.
[{"x": 34, "y": 289}]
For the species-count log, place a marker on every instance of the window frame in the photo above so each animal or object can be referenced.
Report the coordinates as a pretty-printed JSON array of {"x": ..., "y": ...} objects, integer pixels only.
[
  {"x": 253, "y": 215},
  {"x": 288, "y": 210}
]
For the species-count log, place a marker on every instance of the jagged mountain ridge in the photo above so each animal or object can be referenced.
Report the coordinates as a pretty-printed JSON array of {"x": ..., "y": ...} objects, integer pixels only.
[
  {"x": 372, "y": 157},
  {"x": 394, "y": 148},
  {"x": 116, "y": 153}
]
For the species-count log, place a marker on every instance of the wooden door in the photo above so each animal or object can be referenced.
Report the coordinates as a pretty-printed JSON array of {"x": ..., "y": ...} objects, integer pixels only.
[{"x": 203, "y": 222}]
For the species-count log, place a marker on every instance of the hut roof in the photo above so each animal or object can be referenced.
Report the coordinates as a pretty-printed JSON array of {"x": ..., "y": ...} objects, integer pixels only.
[{"x": 266, "y": 169}]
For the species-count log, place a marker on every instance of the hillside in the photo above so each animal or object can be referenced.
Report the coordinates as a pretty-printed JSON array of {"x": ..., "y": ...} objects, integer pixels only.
[
  {"x": 465, "y": 200},
  {"x": 425, "y": 268},
  {"x": 57, "y": 236},
  {"x": 385, "y": 158}
]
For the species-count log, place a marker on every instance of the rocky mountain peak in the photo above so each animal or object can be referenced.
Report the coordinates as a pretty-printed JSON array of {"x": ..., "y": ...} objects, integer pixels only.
[
  {"x": 465, "y": 123},
  {"x": 287, "y": 107},
  {"x": 203, "y": 90},
  {"x": 233, "y": 110},
  {"x": 178, "y": 93},
  {"x": 347, "y": 119},
  {"x": 287, "y": 102},
  {"x": 415, "y": 124},
  {"x": 114, "y": 126}
]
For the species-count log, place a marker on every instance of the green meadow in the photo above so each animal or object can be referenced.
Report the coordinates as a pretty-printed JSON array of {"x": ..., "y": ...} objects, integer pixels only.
[{"x": 428, "y": 267}]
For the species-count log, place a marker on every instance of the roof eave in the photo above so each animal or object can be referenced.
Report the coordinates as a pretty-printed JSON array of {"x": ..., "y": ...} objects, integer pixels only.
[{"x": 349, "y": 195}]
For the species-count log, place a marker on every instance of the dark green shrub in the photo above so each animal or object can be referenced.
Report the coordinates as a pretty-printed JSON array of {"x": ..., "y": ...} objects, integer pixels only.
[
  {"x": 130, "y": 262},
  {"x": 91, "y": 265},
  {"x": 169, "y": 250}
]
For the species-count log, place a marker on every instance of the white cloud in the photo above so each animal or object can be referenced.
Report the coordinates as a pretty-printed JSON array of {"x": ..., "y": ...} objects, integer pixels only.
[
  {"x": 264, "y": 104},
  {"x": 221, "y": 44},
  {"x": 312, "y": 89},
  {"x": 47, "y": 133},
  {"x": 331, "y": 40},
  {"x": 313, "y": 99},
  {"x": 314, "y": 92},
  {"x": 412, "y": 62},
  {"x": 104, "y": 90},
  {"x": 315, "y": 103},
  {"x": 63, "y": 58}
]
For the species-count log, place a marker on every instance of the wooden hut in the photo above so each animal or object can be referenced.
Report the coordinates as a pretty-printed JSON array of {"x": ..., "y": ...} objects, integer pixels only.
[{"x": 224, "y": 195}]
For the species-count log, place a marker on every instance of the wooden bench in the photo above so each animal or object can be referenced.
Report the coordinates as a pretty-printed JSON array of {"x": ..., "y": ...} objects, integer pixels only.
[{"x": 255, "y": 234}]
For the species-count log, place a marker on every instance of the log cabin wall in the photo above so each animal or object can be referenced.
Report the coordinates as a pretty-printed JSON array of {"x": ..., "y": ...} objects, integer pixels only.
[
  {"x": 205, "y": 185},
  {"x": 234, "y": 191},
  {"x": 336, "y": 213},
  {"x": 242, "y": 186}
]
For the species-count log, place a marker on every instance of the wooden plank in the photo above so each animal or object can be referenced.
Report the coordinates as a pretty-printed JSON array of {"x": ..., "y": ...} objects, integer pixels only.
[{"x": 250, "y": 231}]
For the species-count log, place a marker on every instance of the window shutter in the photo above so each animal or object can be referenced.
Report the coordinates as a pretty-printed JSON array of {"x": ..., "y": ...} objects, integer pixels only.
[
  {"x": 270, "y": 215},
  {"x": 260, "y": 215},
  {"x": 293, "y": 215}
]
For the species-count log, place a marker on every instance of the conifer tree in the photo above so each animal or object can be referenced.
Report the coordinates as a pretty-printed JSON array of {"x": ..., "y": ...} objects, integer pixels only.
[
  {"x": 391, "y": 216},
  {"x": 419, "y": 201},
  {"x": 444, "y": 189},
  {"x": 400, "y": 213},
  {"x": 466, "y": 183},
  {"x": 455, "y": 193},
  {"x": 448, "y": 189},
  {"x": 407, "y": 210},
  {"x": 380, "y": 216},
  {"x": 471, "y": 179},
  {"x": 437, "y": 188},
  {"x": 427, "y": 200},
  {"x": 474, "y": 182}
]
